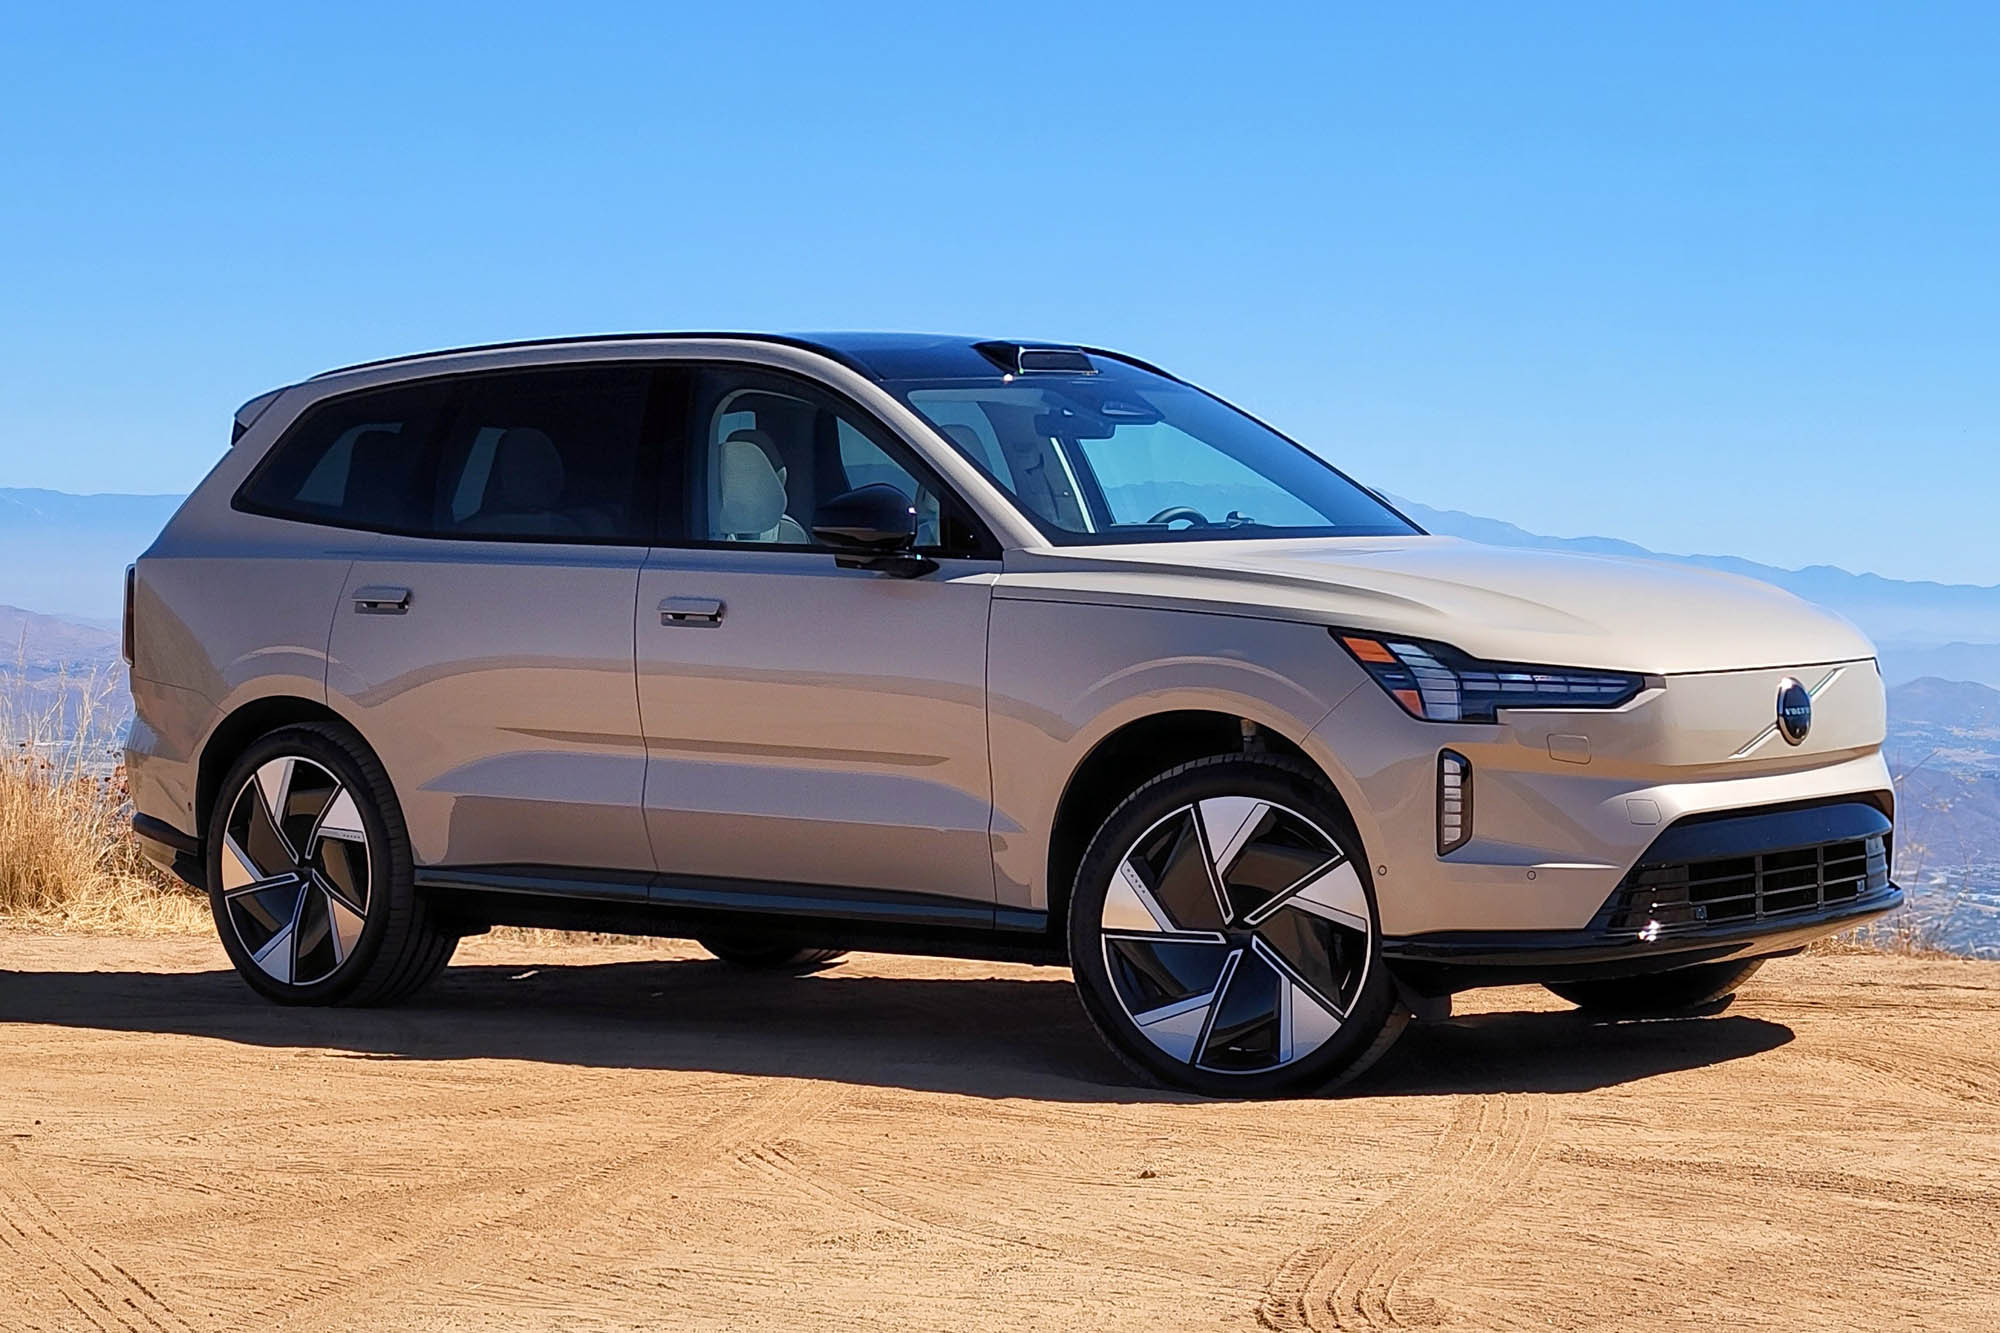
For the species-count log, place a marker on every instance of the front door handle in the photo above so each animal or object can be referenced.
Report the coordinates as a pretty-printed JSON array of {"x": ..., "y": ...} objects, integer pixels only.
[
  {"x": 381, "y": 601},
  {"x": 691, "y": 611}
]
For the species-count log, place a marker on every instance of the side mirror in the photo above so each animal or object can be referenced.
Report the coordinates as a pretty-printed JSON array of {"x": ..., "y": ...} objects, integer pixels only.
[{"x": 872, "y": 527}]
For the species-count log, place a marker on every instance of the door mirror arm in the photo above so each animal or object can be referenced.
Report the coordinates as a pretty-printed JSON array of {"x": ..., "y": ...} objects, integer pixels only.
[{"x": 901, "y": 566}]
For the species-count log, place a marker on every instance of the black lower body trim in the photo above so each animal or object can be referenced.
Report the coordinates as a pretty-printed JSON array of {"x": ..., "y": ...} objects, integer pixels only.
[
  {"x": 181, "y": 851},
  {"x": 686, "y": 907},
  {"x": 1446, "y": 961}
]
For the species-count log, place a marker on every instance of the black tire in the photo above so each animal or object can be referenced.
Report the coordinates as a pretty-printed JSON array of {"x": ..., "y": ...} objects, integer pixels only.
[
  {"x": 1286, "y": 818},
  {"x": 769, "y": 955},
  {"x": 1662, "y": 993},
  {"x": 399, "y": 946}
]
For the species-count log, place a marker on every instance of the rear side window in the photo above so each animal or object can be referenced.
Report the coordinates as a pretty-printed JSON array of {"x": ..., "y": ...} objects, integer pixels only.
[
  {"x": 550, "y": 454},
  {"x": 355, "y": 462}
]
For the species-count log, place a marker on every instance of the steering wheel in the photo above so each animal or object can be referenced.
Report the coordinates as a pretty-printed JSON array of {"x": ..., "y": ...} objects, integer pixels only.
[{"x": 1175, "y": 513}]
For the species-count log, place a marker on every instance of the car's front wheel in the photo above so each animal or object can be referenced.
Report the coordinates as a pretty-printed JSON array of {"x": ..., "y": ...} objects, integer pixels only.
[
  {"x": 1223, "y": 932},
  {"x": 310, "y": 876},
  {"x": 1661, "y": 994}
]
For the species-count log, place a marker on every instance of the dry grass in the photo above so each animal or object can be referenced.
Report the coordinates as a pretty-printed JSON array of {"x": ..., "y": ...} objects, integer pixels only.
[{"x": 67, "y": 856}]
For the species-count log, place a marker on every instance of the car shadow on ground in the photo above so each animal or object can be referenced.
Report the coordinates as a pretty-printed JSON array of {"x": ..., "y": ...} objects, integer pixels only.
[{"x": 984, "y": 1037}]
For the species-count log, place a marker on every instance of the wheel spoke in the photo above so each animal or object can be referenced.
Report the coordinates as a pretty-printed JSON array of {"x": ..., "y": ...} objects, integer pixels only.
[
  {"x": 1286, "y": 894},
  {"x": 1172, "y": 862},
  {"x": 1153, "y": 972},
  {"x": 315, "y": 952},
  {"x": 256, "y": 832},
  {"x": 1130, "y": 905},
  {"x": 257, "y": 888},
  {"x": 309, "y": 791},
  {"x": 347, "y": 924},
  {"x": 1245, "y": 1028},
  {"x": 277, "y": 954},
  {"x": 1276, "y": 851},
  {"x": 239, "y": 871},
  {"x": 341, "y": 819},
  {"x": 1334, "y": 893},
  {"x": 1323, "y": 957},
  {"x": 1228, "y": 822}
]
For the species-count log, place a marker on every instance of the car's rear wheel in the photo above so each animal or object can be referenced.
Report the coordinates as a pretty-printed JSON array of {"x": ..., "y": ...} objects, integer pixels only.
[
  {"x": 1223, "y": 932},
  {"x": 1662, "y": 993},
  {"x": 310, "y": 876},
  {"x": 769, "y": 955}
]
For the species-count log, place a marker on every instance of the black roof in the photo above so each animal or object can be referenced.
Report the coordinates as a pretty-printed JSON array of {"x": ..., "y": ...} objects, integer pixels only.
[{"x": 880, "y": 356}]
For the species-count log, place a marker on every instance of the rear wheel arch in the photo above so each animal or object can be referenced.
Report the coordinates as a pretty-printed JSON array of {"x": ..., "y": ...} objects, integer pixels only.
[{"x": 243, "y": 728}]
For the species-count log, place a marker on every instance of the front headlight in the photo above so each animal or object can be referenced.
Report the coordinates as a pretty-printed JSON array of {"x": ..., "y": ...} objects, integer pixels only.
[{"x": 1438, "y": 683}]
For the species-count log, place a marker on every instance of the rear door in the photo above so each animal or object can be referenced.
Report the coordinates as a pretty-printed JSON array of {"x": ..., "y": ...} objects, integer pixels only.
[
  {"x": 485, "y": 640},
  {"x": 808, "y": 725}
]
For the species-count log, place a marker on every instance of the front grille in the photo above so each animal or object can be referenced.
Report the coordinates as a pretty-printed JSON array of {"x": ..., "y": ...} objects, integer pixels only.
[{"x": 1665, "y": 898}]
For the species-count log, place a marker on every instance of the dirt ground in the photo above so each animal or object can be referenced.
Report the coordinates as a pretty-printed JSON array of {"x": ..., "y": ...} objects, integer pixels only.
[{"x": 580, "y": 1136}]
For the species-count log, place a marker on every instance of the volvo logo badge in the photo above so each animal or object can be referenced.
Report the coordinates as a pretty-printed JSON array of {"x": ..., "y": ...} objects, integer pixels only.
[{"x": 1794, "y": 711}]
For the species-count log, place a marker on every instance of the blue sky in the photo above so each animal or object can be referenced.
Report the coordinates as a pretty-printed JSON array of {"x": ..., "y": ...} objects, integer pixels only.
[{"x": 1715, "y": 278}]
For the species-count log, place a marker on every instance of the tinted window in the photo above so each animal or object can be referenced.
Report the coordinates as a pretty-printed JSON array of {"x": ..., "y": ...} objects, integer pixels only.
[
  {"x": 550, "y": 455},
  {"x": 359, "y": 461},
  {"x": 554, "y": 454},
  {"x": 769, "y": 450}
]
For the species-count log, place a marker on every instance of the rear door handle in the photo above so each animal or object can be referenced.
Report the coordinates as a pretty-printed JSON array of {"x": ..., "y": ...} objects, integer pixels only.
[
  {"x": 691, "y": 611},
  {"x": 381, "y": 601}
]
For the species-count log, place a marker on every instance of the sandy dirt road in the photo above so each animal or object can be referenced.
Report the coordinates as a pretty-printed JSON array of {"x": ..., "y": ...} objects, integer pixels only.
[{"x": 609, "y": 1137}]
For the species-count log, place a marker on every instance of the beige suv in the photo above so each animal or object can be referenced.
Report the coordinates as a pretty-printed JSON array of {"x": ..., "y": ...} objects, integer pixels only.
[{"x": 996, "y": 649}]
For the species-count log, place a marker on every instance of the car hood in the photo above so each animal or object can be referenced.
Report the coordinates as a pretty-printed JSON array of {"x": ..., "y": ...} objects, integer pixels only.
[{"x": 1501, "y": 603}]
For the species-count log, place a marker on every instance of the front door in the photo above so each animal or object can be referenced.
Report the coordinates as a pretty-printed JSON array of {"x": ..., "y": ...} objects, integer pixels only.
[
  {"x": 808, "y": 725},
  {"x": 485, "y": 640}
]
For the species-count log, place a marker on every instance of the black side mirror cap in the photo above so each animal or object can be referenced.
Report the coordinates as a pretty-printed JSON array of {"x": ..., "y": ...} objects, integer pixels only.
[{"x": 872, "y": 527}]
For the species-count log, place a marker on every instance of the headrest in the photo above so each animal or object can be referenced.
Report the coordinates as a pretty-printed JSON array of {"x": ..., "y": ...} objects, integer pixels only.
[
  {"x": 527, "y": 473},
  {"x": 752, "y": 496},
  {"x": 763, "y": 440}
]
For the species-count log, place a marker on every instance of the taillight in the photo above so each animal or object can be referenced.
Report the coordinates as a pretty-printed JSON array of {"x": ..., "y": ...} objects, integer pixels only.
[{"x": 125, "y": 642}]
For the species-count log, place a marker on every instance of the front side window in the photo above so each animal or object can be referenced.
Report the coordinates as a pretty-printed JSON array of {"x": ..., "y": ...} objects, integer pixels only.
[
  {"x": 548, "y": 454},
  {"x": 769, "y": 450},
  {"x": 1126, "y": 455}
]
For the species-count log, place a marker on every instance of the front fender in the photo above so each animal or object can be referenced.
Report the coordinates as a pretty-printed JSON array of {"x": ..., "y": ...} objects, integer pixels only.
[{"x": 1063, "y": 676}]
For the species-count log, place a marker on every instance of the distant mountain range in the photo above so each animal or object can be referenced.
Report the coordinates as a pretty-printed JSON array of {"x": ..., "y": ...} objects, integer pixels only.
[
  {"x": 1948, "y": 630},
  {"x": 65, "y": 555}
]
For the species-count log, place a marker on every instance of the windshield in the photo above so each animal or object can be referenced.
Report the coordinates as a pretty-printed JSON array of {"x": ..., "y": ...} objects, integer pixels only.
[{"x": 1124, "y": 455}]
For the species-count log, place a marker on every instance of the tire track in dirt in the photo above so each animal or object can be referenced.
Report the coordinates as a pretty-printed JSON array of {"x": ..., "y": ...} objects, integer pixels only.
[
  {"x": 221, "y": 1206},
  {"x": 1809, "y": 1180},
  {"x": 1954, "y": 1078},
  {"x": 1358, "y": 1276},
  {"x": 96, "y": 1287},
  {"x": 922, "y": 1218},
  {"x": 339, "y": 1296}
]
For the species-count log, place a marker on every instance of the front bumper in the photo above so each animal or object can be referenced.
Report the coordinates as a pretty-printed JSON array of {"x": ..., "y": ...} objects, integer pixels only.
[{"x": 1749, "y": 884}]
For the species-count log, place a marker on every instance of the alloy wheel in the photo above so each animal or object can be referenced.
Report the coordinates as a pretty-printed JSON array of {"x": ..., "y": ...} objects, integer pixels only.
[
  {"x": 1237, "y": 935},
  {"x": 295, "y": 871}
]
